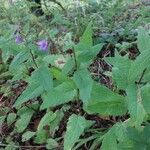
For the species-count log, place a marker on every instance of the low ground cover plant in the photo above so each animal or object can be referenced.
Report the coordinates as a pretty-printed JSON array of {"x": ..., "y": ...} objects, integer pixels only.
[{"x": 61, "y": 89}]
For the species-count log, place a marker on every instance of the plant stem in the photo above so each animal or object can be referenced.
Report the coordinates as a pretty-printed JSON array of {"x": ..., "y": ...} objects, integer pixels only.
[
  {"x": 75, "y": 60},
  {"x": 33, "y": 59}
]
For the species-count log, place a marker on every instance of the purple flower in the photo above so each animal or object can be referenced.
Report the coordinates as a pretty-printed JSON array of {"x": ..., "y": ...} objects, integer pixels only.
[
  {"x": 43, "y": 45},
  {"x": 18, "y": 39}
]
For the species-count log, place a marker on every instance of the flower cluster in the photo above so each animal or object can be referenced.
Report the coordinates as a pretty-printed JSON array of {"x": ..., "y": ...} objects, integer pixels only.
[
  {"x": 43, "y": 45},
  {"x": 19, "y": 39}
]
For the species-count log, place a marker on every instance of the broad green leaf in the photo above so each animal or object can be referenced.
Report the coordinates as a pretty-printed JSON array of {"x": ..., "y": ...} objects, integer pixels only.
[
  {"x": 27, "y": 136},
  {"x": 134, "y": 134},
  {"x": 120, "y": 131},
  {"x": 142, "y": 61},
  {"x": 137, "y": 138},
  {"x": 89, "y": 54},
  {"x": 24, "y": 119},
  {"x": 41, "y": 136},
  {"x": 138, "y": 66},
  {"x": 106, "y": 102},
  {"x": 135, "y": 106},
  {"x": 86, "y": 38},
  {"x": 54, "y": 125},
  {"x": 125, "y": 71},
  {"x": 63, "y": 93},
  {"x": 2, "y": 119},
  {"x": 11, "y": 47},
  {"x": 69, "y": 66},
  {"x": 46, "y": 119},
  {"x": 18, "y": 60},
  {"x": 75, "y": 127},
  {"x": 115, "y": 136},
  {"x": 109, "y": 142},
  {"x": 22, "y": 110},
  {"x": 140, "y": 138},
  {"x": 132, "y": 100},
  {"x": 32, "y": 91},
  {"x": 44, "y": 78},
  {"x": 84, "y": 83},
  {"x": 11, "y": 118},
  {"x": 141, "y": 114},
  {"x": 59, "y": 75},
  {"x": 146, "y": 134},
  {"x": 145, "y": 93},
  {"x": 120, "y": 70},
  {"x": 11, "y": 146},
  {"x": 143, "y": 41}
]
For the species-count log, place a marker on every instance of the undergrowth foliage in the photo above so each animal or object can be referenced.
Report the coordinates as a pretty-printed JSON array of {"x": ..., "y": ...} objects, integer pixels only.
[{"x": 56, "y": 74}]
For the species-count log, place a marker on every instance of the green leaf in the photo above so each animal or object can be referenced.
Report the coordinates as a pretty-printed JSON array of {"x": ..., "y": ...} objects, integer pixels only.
[
  {"x": 89, "y": 54},
  {"x": 138, "y": 66},
  {"x": 18, "y": 60},
  {"x": 11, "y": 118},
  {"x": 48, "y": 117},
  {"x": 27, "y": 136},
  {"x": 69, "y": 66},
  {"x": 86, "y": 38},
  {"x": 32, "y": 91},
  {"x": 109, "y": 141},
  {"x": 84, "y": 83},
  {"x": 134, "y": 134},
  {"x": 125, "y": 71},
  {"x": 135, "y": 106},
  {"x": 24, "y": 119},
  {"x": 141, "y": 114},
  {"x": 54, "y": 125},
  {"x": 137, "y": 139},
  {"x": 117, "y": 138},
  {"x": 63, "y": 93},
  {"x": 41, "y": 136},
  {"x": 143, "y": 41},
  {"x": 146, "y": 134},
  {"x": 145, "y": 93},
  {"x": 120, "y": 70},
  {"x": 59, "y": 75},
  {"x": 2, "y": 119},
  {"x": 44, "y": 78},
  {"x": 75, "y": 127},
  {"x": 51, "y": 144},
  {"x": 45, "y": 121},
  {"x": 106, "y": 102}
]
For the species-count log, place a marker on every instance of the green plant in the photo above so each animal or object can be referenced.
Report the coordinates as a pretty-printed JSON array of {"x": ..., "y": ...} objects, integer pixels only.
[{"x": 54, "y": 78}]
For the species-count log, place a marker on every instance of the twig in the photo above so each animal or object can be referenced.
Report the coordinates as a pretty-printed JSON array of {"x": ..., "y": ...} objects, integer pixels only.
[{"x": 34, "y": 146}]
